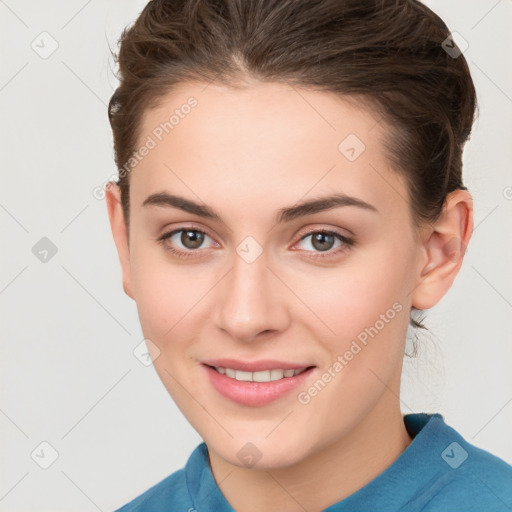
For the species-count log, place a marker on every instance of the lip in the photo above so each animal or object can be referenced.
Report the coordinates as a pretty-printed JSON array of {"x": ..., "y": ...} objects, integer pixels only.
[{"x": 255, "y": 394}]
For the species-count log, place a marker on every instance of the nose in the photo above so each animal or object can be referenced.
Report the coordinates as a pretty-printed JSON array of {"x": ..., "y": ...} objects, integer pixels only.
[{"x": 251, "y": 302}]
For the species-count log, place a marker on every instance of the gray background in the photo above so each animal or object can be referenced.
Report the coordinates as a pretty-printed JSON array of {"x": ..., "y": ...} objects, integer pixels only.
[{"x": 68, "y": 373}]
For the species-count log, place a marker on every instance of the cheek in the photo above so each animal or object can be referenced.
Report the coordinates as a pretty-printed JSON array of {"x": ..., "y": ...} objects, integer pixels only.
[
  {"x": 373, "y": 326},
  {"x": 165, "y": 294},
  {"x": 366, "y": 303},
  {"x": 348, "y": 299}
]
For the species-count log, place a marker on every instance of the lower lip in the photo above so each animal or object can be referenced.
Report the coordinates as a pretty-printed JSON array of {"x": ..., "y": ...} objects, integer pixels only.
[{"x": 255, "y": 393}]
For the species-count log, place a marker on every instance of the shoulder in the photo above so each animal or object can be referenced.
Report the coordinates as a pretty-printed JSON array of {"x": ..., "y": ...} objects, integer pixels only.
[
  {"x": 180, "y": 491},
  {"x": 171, "y": 491},
  {"x": 177, "y": 491},
  {"x": 482, "y": 480},
  {"x": 469, "y": 476}
]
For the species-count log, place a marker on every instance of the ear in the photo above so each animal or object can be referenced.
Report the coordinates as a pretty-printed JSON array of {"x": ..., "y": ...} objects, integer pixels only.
[
  {"x": 119, "y": 232},
  {"x": 444, "y": 244}
]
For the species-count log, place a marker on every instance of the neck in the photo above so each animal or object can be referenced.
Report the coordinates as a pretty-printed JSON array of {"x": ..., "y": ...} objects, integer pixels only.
[{"x": 325, "y": 477}]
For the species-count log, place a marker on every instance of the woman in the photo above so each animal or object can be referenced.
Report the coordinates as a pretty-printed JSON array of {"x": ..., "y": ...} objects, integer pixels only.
[{"x": 290, "y": 193}]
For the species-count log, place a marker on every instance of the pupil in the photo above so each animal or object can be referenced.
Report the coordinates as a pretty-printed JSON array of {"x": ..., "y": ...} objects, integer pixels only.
[
  {"x": 192, "y": 239},
  {"x": 323, "y": 241}
]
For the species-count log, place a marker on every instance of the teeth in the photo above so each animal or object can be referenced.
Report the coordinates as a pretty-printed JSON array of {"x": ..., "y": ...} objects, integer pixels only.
[
  {"x": 261, "y": 376},
  {"x": 245, "y": 376},
  {"x": 276, "y": 374},
  {"x": 264, "y": 376}
]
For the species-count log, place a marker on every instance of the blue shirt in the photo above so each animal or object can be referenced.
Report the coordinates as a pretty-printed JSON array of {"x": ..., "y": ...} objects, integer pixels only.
[{"x": 438, "y": 472}]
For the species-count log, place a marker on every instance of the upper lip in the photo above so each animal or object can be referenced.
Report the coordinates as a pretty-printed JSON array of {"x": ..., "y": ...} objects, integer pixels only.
[{"x": 255, "y": 366}]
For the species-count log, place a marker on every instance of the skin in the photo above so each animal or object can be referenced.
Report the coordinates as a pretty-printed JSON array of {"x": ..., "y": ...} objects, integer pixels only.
[{"x": 246, "y": 154}]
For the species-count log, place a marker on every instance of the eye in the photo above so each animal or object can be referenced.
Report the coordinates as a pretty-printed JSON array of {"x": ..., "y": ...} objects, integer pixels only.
[
  {"x": 183, "y": 242},
  {"x": 186, "y": 242},
  {"x": 324, "y": 241}
]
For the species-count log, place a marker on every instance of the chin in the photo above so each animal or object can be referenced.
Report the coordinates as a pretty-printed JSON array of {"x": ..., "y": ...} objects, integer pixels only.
[{"x": 260, "y": 453}]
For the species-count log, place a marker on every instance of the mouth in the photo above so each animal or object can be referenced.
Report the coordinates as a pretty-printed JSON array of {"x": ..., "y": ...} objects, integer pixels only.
[
  {"x": 256, "y": 383},
  {"x": 260, "y": 376}
]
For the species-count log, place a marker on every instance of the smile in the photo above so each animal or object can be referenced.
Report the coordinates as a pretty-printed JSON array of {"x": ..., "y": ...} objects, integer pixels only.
[
  {"x": 256, "y": 384},
  {"x": 261, "y": 376}
]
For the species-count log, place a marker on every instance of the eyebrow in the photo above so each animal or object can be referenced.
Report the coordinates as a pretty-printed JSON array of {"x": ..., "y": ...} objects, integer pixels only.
[{"x": 288, "y": 214}]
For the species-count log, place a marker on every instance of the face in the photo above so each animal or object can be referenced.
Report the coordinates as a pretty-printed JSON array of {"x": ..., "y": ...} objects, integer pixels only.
[{"x": 236, "y": 274}]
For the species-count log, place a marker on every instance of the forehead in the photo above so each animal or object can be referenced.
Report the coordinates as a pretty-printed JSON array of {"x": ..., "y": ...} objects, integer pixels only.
[
  {"x": 246, "y": 117},
  {"x": 276, "y": 141}
]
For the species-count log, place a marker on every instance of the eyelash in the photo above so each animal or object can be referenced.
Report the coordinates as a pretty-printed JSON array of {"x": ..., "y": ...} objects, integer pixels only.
[{"x": 347, "y": 242}]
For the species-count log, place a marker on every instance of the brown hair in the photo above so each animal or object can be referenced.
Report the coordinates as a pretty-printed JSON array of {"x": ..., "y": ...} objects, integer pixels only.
[{"x": 388, "y": 53}]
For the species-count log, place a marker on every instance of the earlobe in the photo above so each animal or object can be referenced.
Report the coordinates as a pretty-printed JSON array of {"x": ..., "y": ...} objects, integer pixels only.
[
  {"x": 444, "y": 246},
  {"x": 119, "y": 232}
]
